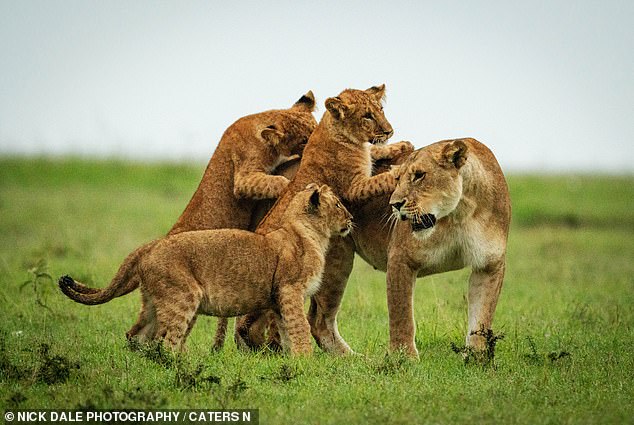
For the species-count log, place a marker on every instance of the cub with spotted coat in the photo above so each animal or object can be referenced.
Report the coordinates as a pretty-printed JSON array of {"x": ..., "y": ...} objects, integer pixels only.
[{"x": 228, "y": 272}]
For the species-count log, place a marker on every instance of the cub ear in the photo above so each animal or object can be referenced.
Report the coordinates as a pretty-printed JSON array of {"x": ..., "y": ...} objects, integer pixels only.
[
  {"x": 272, "y": 135},
  {"x": 313, "y": 204},
  {"x": 455, "y": 153},
  {"x": 377, "y": 91},
  {"x": 336, "y": 107},
  {"x": 306, "y": 103}
]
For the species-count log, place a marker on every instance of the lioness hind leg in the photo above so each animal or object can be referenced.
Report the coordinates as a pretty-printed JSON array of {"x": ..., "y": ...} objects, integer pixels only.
[
  {"x": 484, "y": 291},
  {"x": 324, "y": 305}
]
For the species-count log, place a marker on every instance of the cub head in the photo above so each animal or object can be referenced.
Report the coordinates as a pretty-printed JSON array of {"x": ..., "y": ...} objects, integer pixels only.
[
  {"x": 358, "y": 114},
  {"x": 292, "y": 127},
  {"x": 429, "y": 184},
  {"x": 325, "y": 210}
]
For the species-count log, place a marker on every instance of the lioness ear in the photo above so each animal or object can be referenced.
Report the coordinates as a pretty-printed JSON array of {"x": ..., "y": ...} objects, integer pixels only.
[
  {"x": 272, "y": 135},
  {"x": 455, "y": 153},
  {"x": 336, "y": 107},
  {"x": 314, "y": 202},
  {"x": 377, "y": 91},
  {"x": 305, "y": 103}
]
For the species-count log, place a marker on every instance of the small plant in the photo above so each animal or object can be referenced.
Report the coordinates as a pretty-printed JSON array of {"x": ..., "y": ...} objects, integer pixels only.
[
  {"x": 225, "y": 395},
  {"x": 194, "y": 379},
  {"x": 53, "y": 369},
  {"x": 538, "y": 358},
  {"x": 154, "y": 351},
  {"x": 286, "y": 374},
  {"x": 484, "y": 358},
  {"x": 38, "y": 274},
  {"x": 49, "y": 370}
]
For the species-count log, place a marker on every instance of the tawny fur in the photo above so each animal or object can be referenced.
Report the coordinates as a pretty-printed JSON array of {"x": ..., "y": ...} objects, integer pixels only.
[
  {"x": 338, "y": 154},
  {"x": 238, "y": 174},
  {"x": 473, "y": 206},
  {"x": 229, "y": 272}
]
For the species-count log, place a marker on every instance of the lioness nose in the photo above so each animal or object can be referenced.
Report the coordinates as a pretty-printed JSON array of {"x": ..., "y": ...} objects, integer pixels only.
[{"x": 397, "y": 205}]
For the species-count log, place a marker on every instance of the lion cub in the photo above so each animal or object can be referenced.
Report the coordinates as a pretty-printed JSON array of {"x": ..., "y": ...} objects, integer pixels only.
[
  {"x": 339, "y": 154},
  {"x": 230, "y": 272}
]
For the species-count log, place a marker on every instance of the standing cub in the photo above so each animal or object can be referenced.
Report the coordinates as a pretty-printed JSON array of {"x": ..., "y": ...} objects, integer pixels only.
[{"x": 230, "y": 272}]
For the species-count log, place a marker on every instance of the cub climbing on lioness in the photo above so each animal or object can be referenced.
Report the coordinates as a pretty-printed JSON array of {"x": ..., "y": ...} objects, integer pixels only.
[
  {"x": 238, "y": 174},
  {"x": 228, "y": 272},
  {"x": 338, "y": 154}
]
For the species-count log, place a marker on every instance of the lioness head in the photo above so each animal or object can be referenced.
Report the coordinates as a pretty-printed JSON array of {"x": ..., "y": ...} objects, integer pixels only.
[
  {"x": 358, "y": 114},
  {"x": 429, "y": 184},
  {"x": 323, "y": 209},
  {"x": 292, "y": 127}
]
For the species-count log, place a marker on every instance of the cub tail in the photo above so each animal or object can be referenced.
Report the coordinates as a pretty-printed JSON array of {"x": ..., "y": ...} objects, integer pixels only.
[{"x": 125, "y": 281}]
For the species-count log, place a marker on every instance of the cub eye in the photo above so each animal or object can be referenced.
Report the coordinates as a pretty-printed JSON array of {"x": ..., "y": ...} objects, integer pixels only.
[
  {"x": 338, "y": 205},
  {"x": 368, "y": 116},
  {"x": 397, "y": 178},
  {"x": 419, "y": 175}
]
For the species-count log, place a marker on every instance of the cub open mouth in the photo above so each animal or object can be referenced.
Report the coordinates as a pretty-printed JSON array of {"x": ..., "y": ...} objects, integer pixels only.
[{"x": 423, "y": 222}]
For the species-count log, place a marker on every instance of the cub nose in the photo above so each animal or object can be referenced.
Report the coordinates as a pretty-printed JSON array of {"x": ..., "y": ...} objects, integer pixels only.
[
  {"x": 397, "y": 205},
  {"x": 388, "y": 133}
]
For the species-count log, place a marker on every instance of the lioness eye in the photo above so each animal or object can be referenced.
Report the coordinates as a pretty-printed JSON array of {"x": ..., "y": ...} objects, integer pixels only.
[
  {"x": 338, "y": 206},
  {"x": 418, "y": 175}
]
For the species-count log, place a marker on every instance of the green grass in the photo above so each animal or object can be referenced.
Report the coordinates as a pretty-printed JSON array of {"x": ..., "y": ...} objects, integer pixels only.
[{"x": 566, "y": 311}]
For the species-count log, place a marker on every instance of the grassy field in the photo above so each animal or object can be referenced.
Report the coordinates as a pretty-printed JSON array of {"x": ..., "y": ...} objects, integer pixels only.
[{"x": 566, "y": 313}]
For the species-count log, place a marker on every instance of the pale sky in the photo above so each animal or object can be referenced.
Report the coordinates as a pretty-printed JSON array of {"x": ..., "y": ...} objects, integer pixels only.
[{"x": 548, "y": 85}]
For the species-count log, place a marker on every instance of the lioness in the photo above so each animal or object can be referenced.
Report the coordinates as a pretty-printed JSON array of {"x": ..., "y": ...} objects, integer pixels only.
[
  {"x": 228, "y": 272},
  {"x": 338, "y": 154},
  {"x": 456, "y": 202},
  {"x": 238, "y": 174}
]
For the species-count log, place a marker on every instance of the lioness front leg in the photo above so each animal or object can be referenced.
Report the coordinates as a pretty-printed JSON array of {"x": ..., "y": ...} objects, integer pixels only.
[
  {"x": 324, "y": 305},
  {"x": 484, "y": 291},
  {"x": 295, "y": 325},
  {"x": 400, "y": 302}
]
